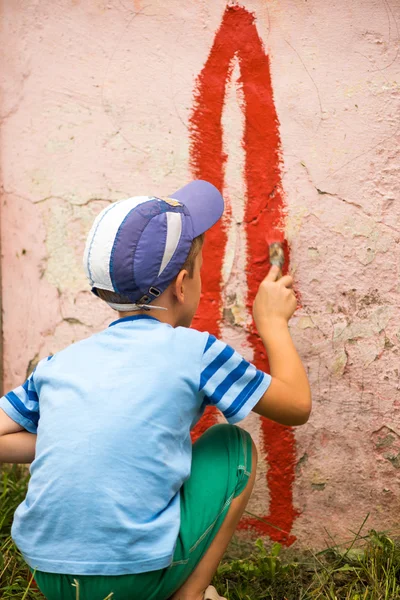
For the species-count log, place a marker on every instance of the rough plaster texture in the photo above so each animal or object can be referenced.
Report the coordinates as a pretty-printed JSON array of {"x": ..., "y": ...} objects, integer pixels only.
[{"x": 96, "y": 103}]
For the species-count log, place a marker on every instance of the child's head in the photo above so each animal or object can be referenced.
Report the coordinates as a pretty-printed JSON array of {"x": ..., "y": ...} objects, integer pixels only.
[
  {"x": 185, "y": 289},
  {"x": 144, "y": 253}
]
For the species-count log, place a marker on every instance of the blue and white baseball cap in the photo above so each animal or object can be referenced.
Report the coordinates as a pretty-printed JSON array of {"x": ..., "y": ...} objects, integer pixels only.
[{"x": 136, "y": 247}]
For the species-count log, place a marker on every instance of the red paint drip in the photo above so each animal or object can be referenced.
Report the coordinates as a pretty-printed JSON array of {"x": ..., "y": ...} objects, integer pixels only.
[{"x": 237, "y": 36}]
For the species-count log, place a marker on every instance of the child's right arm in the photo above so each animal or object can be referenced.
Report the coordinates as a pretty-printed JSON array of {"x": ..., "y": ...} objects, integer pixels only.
[
  {"x": 288, "y": 398},
  {"x": 16, "y": 444}
]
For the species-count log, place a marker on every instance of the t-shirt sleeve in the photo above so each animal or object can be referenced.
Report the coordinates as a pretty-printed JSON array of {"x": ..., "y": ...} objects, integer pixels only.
[
  {"x": 230, "y": 382},
  {"x": 22, "y": 405}
]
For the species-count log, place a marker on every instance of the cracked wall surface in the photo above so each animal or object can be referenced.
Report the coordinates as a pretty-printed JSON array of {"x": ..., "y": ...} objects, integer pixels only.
[{"x": 95, "y": 106}]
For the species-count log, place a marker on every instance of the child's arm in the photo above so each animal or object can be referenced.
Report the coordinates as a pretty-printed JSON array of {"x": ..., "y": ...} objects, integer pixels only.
[
  {"x": 16, "y": 444},
  {"x": 288, "y": 398}
]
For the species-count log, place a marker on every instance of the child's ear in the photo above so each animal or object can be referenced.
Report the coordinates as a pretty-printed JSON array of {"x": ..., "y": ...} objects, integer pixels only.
[{"x": 179, "y": 286}]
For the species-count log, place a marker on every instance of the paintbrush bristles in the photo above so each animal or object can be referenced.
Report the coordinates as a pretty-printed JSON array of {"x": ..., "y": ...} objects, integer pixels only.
[{"x": 276, "y": 255}]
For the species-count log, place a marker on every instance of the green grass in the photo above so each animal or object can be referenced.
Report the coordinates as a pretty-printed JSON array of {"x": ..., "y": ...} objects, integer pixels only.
[
  {"x": 369, "y": 573},
  {"x": 15, "y": 578},
  {"x": 367, "y": 568}
]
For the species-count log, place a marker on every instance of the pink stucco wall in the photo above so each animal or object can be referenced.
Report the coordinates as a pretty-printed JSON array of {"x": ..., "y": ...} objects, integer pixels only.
[{"x": 96, "y": 103}]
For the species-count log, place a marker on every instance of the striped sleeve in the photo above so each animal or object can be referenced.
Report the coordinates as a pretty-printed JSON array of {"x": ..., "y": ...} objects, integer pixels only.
[
  {"x": 22, "y": 405},
  {"x": 229, "y": 382}
]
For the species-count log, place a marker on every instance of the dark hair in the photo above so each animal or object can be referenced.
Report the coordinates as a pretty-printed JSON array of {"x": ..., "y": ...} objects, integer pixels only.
[{"x": 195, "y": 248}]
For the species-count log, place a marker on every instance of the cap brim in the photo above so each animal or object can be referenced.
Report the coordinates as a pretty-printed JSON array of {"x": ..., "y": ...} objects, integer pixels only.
[{"x": 204, "y": 202}]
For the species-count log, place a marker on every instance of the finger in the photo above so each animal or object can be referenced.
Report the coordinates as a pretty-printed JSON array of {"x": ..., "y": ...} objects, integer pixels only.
[
  {"x": 274, "y": 273},
  {"x": 286, "y": 281}
]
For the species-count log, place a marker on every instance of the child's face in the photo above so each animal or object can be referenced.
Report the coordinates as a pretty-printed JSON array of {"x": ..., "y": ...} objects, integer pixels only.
[{"x": 192, "y": 293}]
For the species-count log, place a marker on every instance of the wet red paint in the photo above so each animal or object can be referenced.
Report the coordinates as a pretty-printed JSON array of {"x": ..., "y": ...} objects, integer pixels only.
[{"x": 264, "y": 209}]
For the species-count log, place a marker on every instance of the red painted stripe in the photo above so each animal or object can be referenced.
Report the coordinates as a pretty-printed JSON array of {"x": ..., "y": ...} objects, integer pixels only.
[
  {"x": 238, "y": 36},
  {"x": 207, "y": 162}
]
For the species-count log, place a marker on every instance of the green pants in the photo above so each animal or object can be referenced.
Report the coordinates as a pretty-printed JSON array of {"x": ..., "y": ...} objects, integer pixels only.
[{"x": 221, "y": 467}]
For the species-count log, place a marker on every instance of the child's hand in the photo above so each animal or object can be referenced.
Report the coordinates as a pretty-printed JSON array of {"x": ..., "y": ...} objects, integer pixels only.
[
  {"x": 288, "y": 398},
  {"x": 275, "y": 299}
]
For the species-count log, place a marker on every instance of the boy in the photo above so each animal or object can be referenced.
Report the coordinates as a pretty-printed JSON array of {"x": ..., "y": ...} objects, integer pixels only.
[{"x": 118, "y": 501}]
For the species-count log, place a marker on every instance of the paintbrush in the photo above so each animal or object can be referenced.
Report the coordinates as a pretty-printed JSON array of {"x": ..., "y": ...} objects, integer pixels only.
[{"x": 277, "y": 255}]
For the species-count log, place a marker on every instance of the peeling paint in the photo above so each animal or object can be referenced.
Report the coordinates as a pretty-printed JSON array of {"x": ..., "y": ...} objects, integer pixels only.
[
  {"x": 387, "y": 445},
  {"x": 67, "y": 225}
]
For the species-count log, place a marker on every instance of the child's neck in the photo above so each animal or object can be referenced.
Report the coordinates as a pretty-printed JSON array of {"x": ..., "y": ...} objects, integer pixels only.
[
  {"x": 164, "y": 316},
  {"x": 173, "y": 312}
]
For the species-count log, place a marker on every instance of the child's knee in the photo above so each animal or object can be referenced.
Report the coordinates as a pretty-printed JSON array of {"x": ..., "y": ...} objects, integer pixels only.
[
  {"x": 222, "y": 430},
  {"x": 234, "y": 439},
  {"x": 225, "y": 433}
]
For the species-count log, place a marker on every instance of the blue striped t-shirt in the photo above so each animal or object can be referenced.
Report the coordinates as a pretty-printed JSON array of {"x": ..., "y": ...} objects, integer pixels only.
[{"x": 113, "y": 415}]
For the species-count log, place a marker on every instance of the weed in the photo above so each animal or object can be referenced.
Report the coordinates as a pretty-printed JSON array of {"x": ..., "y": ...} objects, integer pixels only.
[{"x": 371, "y": 572}]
